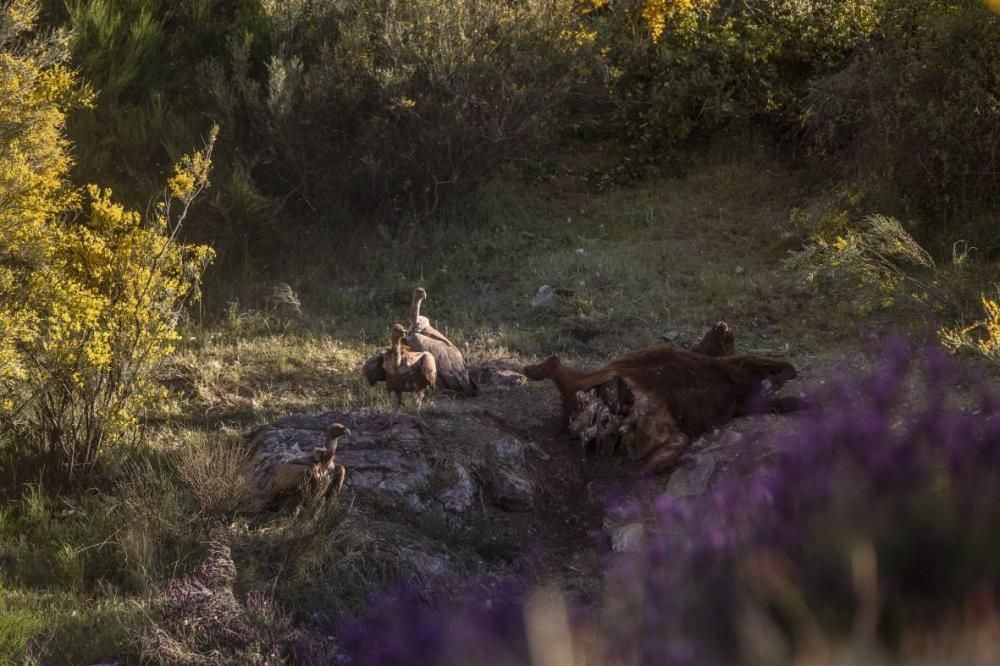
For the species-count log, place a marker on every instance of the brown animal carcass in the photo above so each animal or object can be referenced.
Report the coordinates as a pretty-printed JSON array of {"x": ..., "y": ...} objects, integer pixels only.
[{"x": 655, "y": 400}]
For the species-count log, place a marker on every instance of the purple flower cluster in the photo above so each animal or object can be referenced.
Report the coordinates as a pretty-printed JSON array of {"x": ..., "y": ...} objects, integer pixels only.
[
  {"x": 198, "y": 619},
  {"x": 880, "y": 518},
  {"x": 401, "y": 627}
]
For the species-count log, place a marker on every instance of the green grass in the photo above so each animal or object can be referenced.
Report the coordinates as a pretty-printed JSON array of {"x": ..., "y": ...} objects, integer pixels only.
[{"x": 669, "y": 254}]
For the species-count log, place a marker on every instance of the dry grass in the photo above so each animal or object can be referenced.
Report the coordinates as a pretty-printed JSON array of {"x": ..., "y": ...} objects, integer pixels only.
[{"x": 665, "y": 255}]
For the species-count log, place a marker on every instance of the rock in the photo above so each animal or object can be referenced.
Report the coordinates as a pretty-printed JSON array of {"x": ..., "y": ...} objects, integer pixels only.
[
  {"x": 670, "y": 336},
  {"x": 388, "y": 461},
  {"x": 498, "y": 376},
  {"x": 459, "y": 497},
  {"x": 426, "y": 564},
  {"x": 730, "y": 438},
  {"x": 691, "y": 476},
  {"x": 510, "y": 491},
  {"x": 507, "y": 452},
  {"x": 544, "y": 297},
  {"x": 628, "y": 538},
  {"x": 739, "y": 270}
]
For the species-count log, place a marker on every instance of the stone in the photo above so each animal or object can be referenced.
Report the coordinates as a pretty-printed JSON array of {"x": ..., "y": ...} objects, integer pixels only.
[
  {"x": 506, "y": 452},
  {"x": 691, "y": 477},
  {"x": 426, "y": 564},
  {"x": 670, "y": 336},
  {"x": 387, "y": 460},
  {"x": 628, "y": 538},
  {"x": 544, "y": 297},
  {"x": 458, "y": 498},
  {"x": 510, "y": 491}
]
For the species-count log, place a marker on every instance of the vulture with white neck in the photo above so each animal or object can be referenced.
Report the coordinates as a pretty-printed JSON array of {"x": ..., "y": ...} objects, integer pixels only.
[{"x": 422, "y": 337}]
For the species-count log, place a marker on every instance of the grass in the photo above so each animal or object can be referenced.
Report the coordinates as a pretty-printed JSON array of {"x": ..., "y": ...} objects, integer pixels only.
[{"x": 667, "y": 255}]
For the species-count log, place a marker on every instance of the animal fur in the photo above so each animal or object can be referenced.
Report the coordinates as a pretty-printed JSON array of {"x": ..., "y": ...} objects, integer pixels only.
[
  {"x": 719, "y": 341},
  {"x": 702, "y": 391},
  {"x": 675, "y": 395}
]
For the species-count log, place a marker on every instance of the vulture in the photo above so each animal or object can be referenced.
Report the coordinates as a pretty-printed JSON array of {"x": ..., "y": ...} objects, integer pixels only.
[
  {"x": 422, "y": 337},
  {"x": 316, "y": 476},
  {"x": 402, "y": 369}
]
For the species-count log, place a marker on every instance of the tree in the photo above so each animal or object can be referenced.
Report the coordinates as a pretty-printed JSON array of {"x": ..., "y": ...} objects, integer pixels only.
[{"x": 90, "y": 292}]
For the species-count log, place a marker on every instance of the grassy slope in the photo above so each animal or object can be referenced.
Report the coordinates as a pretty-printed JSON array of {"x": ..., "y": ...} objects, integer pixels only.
[{"x": 665, "y": 255}]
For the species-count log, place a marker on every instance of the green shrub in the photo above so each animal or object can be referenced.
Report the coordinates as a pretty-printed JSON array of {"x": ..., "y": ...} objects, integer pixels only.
[
  {"x": 90, "y": 292},
  {"x": 396, "y": 107},
  {"x": 920, "y": 107},
  {"x": 680, "y": 67}
]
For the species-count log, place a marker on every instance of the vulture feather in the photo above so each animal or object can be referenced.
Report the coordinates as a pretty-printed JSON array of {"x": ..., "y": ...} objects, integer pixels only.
[
  {"x": 451, "y": 371},
  {"x": 402, "y": 369}
]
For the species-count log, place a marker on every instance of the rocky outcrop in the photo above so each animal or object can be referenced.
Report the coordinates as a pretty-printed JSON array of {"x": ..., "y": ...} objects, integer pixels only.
[
  {"x": 387, "y": 460},
  {"x": 489, "y": 375},
  {"x": 510, "y": 488}
]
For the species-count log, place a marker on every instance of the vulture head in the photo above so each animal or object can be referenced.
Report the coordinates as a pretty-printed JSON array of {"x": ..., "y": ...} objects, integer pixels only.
[{"x": 334, "y": 432}]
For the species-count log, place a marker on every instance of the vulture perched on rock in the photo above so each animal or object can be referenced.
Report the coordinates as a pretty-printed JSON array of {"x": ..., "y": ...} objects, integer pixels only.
[
  {"x": 402, "y": 369},
  {"x": 315, "y": 477},
  {"x": 422, "y": 337}
]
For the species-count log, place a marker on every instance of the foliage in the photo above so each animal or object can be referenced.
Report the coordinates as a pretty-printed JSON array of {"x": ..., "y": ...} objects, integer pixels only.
[
  {"x": 870, "y": 537},
  {"x": 403, "y": 105},
  {"x": 140, "y": 56},
  {"x": 333, "y": 111},
  {"x": 981, "y": 336},
  {"x": 676, "y": 67},
  {"x": 199, "y": 620},
  {"x": 874, "y": 263},
  {"x": 89, "y": 291},
  {"x": 928, "y": 113}
]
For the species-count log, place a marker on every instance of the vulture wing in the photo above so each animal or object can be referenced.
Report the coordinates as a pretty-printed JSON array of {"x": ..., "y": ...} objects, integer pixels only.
[
  {"x": 427, "y": 366},
  {"x": 451, "y": 371},
  {"x": 423, "y": 327},
  {"x": 373, "y": 370}
]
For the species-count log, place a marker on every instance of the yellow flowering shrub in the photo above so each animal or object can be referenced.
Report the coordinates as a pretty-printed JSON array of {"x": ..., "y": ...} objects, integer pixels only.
[
  {"x": 982, "y": 336},
  {"x": 657, "y": 14},
  {"x": 876, "y": 264},
  {"x": 90, "y": 291}
]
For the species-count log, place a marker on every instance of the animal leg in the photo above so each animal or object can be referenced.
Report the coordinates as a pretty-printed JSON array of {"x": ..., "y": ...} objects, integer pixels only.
[
  {"x": 418, "y": 400},
  {"x": 337, "y": 476},
  {"x": 667, "y": 455},
  {"x": 788, "y": 404},
  {"x": 395, "y": 398}
]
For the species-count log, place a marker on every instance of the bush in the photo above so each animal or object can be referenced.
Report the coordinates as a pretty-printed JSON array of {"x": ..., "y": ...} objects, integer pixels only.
[
  {"x": 140, "y": 56},
  {"x": 198, "y": 619},
  {"x": 681, "y": 67},
  {"x": 395, "y": 108},
  {"x": 877, "y": 264},
  {"x": 919, "y": 107},
  {"x": 90, "y": 292},
  {"x": 333, "y": 111}
]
